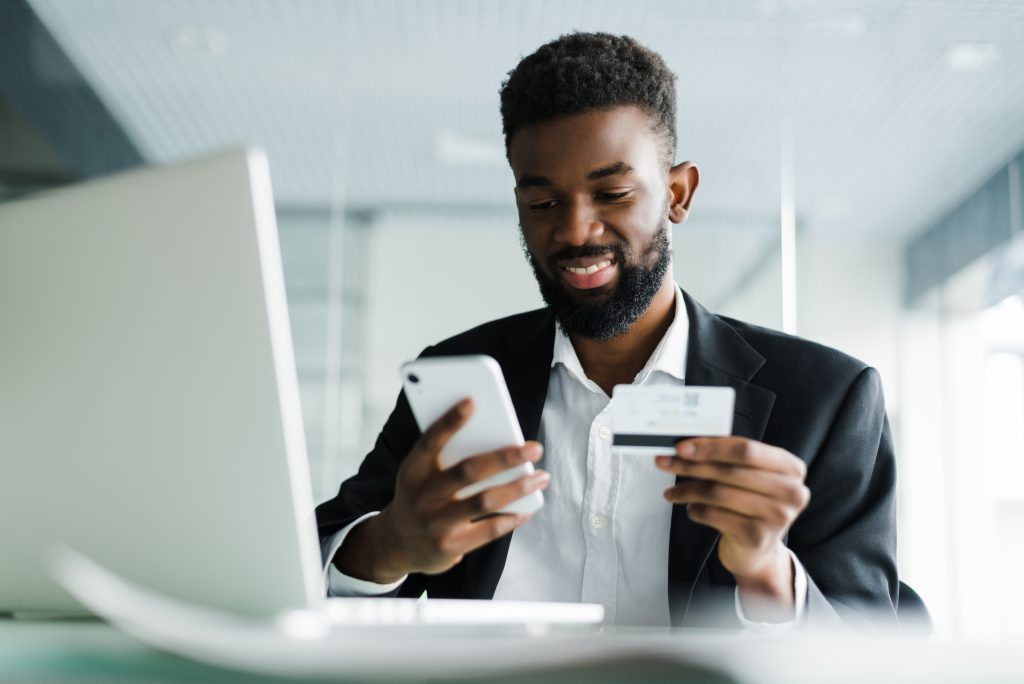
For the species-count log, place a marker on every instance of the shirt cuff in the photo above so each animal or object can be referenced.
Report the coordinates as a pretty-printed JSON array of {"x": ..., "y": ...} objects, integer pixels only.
[
  {"x": 340, "y": 584},
  {"x": 799, "y": 601}
]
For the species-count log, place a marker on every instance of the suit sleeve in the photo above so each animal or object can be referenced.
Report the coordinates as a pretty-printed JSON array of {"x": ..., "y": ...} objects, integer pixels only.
[
  {"x": 373, "y": 486},
  {"x": 846, "y": 539}
]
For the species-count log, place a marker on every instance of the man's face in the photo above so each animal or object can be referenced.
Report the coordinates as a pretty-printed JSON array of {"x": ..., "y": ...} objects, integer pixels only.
[{"x": 593, "y": 196}]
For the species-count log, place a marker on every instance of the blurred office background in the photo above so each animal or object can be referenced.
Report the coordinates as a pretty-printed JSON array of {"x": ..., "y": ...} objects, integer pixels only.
[{"x": 861, "y": 187}]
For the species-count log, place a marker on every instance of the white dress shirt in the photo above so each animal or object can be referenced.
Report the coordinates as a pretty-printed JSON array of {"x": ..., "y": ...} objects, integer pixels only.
[{"x": 603, "y": 533}]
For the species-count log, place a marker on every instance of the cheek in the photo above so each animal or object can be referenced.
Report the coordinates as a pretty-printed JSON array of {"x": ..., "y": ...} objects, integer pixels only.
[
  {"x": 529, "y": 238},
  {"x": 643, "y": 218},
  {"x": 655, "y": 210},
  {"x": 534, "y": 231}
]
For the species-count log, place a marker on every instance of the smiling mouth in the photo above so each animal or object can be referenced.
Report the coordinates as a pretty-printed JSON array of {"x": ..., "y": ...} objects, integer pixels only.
[
  {"x": 588, "y": 273},
  {"x": 585, "y": 270}
]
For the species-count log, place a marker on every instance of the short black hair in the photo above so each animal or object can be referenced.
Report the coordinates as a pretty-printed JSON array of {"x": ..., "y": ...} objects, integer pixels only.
[{"x": 580, "y": 72}]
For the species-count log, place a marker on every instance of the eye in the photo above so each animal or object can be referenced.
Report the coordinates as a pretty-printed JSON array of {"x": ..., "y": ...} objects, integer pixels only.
[
  {"x": 543, "y": 205},
  {"x": 612, "y": 196}
]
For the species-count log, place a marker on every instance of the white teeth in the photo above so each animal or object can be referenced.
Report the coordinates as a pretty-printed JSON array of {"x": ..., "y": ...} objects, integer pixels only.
[{"x": 590, "y": 269}]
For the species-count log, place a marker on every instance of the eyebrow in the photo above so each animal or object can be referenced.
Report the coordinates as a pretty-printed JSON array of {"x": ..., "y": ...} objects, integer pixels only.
[{"x": 616, "y": 169}]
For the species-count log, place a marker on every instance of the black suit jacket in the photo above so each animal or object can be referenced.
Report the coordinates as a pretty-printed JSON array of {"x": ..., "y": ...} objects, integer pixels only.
[{"x": 813, "y": 401}]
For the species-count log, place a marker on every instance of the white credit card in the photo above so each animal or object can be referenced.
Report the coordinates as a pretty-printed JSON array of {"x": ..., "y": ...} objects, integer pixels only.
[{"x": 651, "y": 419}]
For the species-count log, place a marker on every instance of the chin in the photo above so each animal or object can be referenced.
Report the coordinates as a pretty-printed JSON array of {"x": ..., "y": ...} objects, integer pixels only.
[{"x": 589, "y": 299}]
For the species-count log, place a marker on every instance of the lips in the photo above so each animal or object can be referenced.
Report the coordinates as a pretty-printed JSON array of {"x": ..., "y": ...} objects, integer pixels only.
[{"x": 587, "y": 273}]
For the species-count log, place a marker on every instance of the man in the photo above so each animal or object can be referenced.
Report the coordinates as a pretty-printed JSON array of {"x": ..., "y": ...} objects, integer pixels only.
[{"x": 791, "y": 519}]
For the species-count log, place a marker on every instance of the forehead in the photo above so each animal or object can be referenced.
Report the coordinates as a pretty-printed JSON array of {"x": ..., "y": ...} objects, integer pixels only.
[{"x": 573, "y": 146}]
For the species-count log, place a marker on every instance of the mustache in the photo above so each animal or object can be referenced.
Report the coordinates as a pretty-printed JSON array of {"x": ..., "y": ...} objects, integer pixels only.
[{"x": 589, "y": 251}]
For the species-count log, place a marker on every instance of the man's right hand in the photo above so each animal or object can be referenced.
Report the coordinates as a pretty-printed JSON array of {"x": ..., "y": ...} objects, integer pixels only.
[{"x": 427, "y": 527}]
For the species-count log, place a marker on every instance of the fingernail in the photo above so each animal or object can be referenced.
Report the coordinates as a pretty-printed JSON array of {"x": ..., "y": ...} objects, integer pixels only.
[
  {"x": 686, "y": 449},
  {"x": 663, "y": 461}
]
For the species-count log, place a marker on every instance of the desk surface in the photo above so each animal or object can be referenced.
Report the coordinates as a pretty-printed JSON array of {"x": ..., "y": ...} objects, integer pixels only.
[{"x": 89, "y": 650}]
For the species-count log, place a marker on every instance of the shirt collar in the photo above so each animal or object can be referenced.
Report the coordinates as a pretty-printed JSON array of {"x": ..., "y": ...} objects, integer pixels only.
[{"x": 669, "y": 356}]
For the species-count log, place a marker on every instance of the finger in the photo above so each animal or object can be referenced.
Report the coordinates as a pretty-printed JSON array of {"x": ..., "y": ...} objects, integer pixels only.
[
  {"x": 477, "y": 468},
  {"x": 428, "y": 447},
  {"x": 476, "y": 534},
  {"x": 741, "y": 451},
  {"x": 784, "y": 487},
  {"x": 741, "y": 501},
  {"x": 493, "y": 500},
  {"x": 749, "y": 531}
]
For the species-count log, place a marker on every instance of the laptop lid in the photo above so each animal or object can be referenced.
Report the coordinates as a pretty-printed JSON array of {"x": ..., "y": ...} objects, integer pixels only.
[{"x": 149, "y": 407}]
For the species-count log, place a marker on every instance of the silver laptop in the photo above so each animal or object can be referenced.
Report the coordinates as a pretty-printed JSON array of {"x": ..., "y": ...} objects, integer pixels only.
[{"x": 149, "y": 407}]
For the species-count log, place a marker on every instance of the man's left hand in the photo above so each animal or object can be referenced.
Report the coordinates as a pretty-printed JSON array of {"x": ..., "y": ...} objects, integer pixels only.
[{"x": 750, "y": 492}]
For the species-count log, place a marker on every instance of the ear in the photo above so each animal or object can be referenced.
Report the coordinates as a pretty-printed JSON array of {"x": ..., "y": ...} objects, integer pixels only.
[{"x": 683, "y": 180}]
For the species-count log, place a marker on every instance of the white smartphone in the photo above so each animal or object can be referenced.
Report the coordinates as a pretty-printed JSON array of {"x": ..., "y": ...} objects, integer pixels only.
[{"x": 435, "y": 384}]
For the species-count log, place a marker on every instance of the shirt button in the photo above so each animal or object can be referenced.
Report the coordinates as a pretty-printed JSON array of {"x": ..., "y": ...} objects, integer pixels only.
[
  {"x": 605, "y": 432},
  {"x": 596, "y": 521}
]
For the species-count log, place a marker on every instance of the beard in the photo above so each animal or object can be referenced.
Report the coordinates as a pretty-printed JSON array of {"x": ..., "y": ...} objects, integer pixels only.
[{"x": 604, "y": 317}]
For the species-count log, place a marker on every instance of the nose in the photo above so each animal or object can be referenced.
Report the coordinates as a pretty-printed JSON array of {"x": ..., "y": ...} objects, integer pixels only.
[{"x": 578, "y": 224}]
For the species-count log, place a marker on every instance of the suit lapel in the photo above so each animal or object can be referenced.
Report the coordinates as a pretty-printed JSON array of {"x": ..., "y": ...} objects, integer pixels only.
[
  {"x": 526, "y": 365},
  {"x": 716, "y": 356},
  {"x": 527, "y": 369}
]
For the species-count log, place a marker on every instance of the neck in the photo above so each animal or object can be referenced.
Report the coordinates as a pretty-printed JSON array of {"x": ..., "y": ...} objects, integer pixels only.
[{"x": 618, "y": 360}]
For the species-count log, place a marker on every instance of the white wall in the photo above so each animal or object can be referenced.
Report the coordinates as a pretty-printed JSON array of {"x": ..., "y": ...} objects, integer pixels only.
[
  {"x": 431, "y": 278},
  {"x": 849, "y": 295},
  {"x": 730, "y": 266}
]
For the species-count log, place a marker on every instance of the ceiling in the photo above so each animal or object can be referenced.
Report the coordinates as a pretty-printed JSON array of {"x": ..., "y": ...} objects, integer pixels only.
[{"x": 896, "y": 109}]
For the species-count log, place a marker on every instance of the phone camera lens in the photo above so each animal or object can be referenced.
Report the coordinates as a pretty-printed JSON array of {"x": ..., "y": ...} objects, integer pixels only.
[{"x": 413, "y": 378}]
